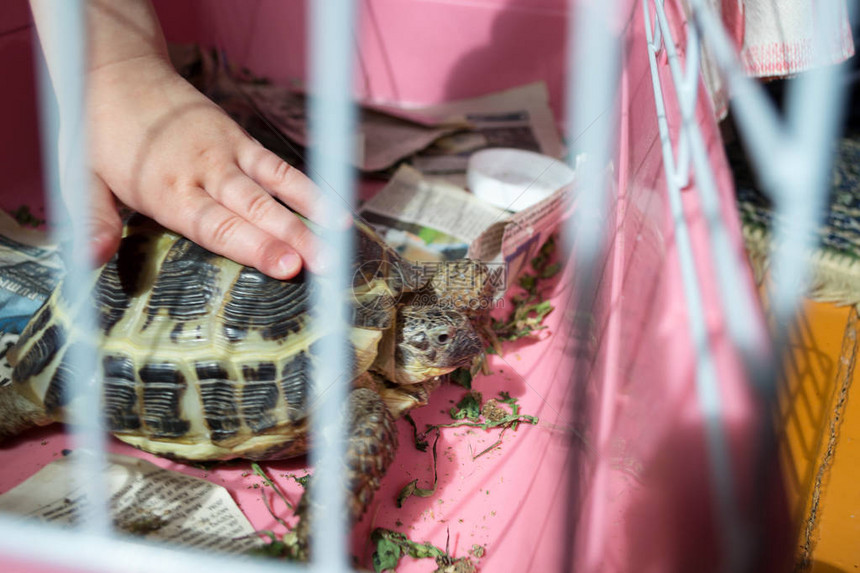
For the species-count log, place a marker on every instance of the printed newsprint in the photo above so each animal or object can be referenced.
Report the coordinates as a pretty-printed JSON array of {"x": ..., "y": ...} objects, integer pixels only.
[
  {"x": 262, "y": 108},
  {"x": 29, "y": 268},
  {"x": 519, "y": 117},
  {"x": 438, "y": 138},
  {"x": 145, "y": 501},
  {"x": 431, "y": 220},
  {"x": 384, "y": 139}
]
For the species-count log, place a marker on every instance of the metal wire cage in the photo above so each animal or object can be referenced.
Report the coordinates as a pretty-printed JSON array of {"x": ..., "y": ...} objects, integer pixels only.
[{"x": 652, "y": 240}]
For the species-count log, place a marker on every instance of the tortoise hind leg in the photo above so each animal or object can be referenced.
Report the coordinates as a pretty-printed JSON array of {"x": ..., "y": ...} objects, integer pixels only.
[{"x": 370, "y": 449}]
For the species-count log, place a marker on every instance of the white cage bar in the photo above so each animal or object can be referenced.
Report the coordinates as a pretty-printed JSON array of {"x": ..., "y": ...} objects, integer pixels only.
[{"x": 332, "y": 119}]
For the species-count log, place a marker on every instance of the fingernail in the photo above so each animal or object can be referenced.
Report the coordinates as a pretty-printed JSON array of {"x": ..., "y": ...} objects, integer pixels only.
[
  {"x": 103, "y": 245},
  {"x": 289, "y": 265},
  {"x": 96, "y": 240},
  {"x": 346, "y": 220}
]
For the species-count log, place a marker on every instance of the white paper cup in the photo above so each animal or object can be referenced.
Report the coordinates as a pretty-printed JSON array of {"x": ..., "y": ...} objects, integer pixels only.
[{"x": 514, "y": 179}]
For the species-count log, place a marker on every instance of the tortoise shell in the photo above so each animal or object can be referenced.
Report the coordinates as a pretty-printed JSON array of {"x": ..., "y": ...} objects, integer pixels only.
[{"x": 202, "y": 358}]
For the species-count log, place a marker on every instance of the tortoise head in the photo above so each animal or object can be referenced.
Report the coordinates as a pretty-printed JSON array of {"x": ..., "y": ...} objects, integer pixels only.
[{"x": 432, "y": 341}]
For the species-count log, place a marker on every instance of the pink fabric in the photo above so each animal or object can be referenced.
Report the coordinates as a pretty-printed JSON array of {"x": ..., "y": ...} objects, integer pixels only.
[
  {"x": 779, "y": 37},
  {"x": 773, "y": 39}
]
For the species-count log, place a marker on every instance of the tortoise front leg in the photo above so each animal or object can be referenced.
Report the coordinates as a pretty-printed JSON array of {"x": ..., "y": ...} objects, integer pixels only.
[{"x": 371, "y": 446}]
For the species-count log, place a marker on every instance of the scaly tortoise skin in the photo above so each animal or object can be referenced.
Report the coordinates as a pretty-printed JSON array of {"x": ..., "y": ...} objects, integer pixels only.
[{"x": 204, "y": 359}]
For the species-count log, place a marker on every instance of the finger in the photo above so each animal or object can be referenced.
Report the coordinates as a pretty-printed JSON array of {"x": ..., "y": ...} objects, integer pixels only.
[
  {"x": 222, "y": 231},
  {"x": 103, "y": 224},
  {"x": 240, "y": 194},
  {"x": 288, "y": 184}
]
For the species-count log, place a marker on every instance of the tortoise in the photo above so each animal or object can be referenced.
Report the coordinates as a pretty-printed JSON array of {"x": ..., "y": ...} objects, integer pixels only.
[{"x": 205, "y": 359}]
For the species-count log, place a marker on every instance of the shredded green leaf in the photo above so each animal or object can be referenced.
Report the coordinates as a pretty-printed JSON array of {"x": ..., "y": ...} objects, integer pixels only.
[
  {"x": 550, "y": 270},
  {"x": 392, "y": 545},
  {"x": 273, "y": 548},
  {"x": 412, "y": 489},
  {"x": 528, "y": 283},
  {"x": 471, "y": 403},
  {"x": 266, "y": 480},
  {"x": 506, "y": 398},
  {"x": 525, "y": 320},
  {"x": 478, "y": 550},
  {"x": 468, "y": 412},
  {"x": 529, "y": 311},
  {"x": 522, "y": 418},
  {"x": 288, "y": 545},
  {"x": 469, "y": 407},
  {"x": 387, "y": 554},
  {"x": 545, "y": 253},
  {"x": 463, "y": 377},
  {"x": 420, "y": 444}
]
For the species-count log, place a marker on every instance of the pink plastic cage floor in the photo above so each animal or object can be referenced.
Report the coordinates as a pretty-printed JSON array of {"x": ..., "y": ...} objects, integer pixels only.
[{"x": 645, "y": 499}]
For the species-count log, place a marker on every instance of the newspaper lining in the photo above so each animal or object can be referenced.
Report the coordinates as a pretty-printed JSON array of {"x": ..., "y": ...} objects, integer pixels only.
[
  {"x": 519, "y": 117},
  {"x": 437, "y": 138},
  {"x": 411, "y": 198},
  {"x": 30, "y": 266},
  {"x": 411, "y": 202},
  {"x": 385, "y": 139},
  {"x": 145, "y": 500}
]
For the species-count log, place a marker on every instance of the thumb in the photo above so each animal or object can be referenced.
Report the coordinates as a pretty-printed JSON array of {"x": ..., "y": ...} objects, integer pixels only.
[{"x": 103, "y": 225}]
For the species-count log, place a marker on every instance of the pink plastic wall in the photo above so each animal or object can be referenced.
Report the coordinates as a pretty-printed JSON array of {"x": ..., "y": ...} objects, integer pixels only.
[
  {"x": 406, "y": 51},
  {"x": 644, "y": 497},
  {"x": 20, "y": 171}
]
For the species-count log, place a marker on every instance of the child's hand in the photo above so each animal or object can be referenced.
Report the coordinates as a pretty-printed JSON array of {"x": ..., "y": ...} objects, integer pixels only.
[{"x": 167, "y": 151}]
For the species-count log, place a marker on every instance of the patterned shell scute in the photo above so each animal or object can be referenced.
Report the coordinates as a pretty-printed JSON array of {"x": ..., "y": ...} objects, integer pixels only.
[
  {"x": 120, "y": 393},
  {"x": 200, "y": 357},
  {"x": 185, "y": 287},
  {"x": 274, "y": 308},
  {"x": 212, "y": 348},
  {"x": 163, "y": 387},
  {"x": 120, "y": 280}
]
